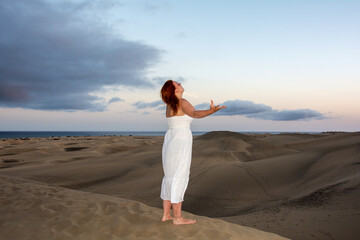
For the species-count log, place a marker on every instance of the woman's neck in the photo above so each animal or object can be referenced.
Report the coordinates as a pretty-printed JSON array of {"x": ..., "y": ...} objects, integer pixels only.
[{"x": 178, "y": 95}]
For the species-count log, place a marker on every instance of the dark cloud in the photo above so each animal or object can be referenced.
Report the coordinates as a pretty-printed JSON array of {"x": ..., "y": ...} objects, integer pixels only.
[
  {"x": 54, "y": 56},
  {"x": 142, "y": 105},
  {"x": 14, "y": 93},
  {"x": 115, "y": 99},
  {"x": 262, "y": 111}
]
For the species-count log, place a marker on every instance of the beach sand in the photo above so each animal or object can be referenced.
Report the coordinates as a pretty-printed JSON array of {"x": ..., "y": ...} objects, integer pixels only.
[{"x": 242, "y": 186}]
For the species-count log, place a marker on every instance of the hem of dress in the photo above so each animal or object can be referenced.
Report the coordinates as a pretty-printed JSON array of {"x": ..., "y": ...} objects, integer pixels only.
[{"x": 171, "y": 201}]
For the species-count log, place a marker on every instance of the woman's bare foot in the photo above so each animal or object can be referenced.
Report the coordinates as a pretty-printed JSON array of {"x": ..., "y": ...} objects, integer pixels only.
[
  {"x": 165, "y": 218},
  {"x": 181, "y": 221}
]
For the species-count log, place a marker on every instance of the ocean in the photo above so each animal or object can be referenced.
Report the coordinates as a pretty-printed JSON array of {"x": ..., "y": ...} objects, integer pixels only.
[{"x": 24, "y": 134}]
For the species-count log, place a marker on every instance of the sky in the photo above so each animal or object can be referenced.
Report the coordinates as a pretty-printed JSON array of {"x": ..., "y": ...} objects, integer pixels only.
[{"x": 99, "y": 65}]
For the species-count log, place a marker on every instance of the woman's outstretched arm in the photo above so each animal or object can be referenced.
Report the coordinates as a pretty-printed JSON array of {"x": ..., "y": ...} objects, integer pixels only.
[{"x": 189, "y": 109}]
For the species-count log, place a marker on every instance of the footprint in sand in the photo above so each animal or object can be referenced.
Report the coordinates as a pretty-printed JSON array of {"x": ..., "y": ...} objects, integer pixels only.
[
  {"x": 44, "y": 208},
  {"x": 108, "y": 208}
]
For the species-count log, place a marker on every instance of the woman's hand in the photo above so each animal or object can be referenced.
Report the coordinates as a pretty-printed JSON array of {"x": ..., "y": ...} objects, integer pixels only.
[{"x": 216, "y": 108}]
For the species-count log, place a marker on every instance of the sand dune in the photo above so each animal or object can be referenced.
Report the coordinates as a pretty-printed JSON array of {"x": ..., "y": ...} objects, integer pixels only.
[
  {"x": 301, "y": 186},
  {"x": 33, "y": 210},
  {"x": 242, "y": 147}
]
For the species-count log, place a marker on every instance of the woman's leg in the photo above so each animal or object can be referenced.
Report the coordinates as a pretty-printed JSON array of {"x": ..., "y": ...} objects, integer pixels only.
[
  {"x": 167, "y": 211},
  {"x": 178, "y": 220}
]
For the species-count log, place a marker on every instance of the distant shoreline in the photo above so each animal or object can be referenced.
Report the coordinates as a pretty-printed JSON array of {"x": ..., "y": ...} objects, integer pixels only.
[{"x": 28, "y": 134}]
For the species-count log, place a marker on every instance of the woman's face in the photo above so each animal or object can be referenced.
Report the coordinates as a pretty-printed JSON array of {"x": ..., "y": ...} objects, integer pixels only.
[{"x": 178, "y": 87}]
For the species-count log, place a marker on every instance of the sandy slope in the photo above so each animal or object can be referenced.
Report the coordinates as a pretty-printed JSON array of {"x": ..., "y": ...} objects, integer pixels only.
[
  {"x": 302, "y": 186},
  {"x": 33, "y": 210}
]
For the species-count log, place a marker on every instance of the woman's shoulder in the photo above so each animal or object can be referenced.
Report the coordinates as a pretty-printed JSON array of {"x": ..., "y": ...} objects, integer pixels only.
[{"x": 183, "y": 100}]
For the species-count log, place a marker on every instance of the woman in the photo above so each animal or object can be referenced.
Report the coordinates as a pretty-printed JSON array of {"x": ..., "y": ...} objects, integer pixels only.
[{"x": 177, "y": 148}]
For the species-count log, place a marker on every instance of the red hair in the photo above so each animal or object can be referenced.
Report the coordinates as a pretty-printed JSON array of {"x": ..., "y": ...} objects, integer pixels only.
[{"x": 168, "y": 96}]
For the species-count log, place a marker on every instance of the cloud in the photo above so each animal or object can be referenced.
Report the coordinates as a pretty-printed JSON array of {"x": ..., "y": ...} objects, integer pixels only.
[
  {"x": 238, "y": 107},
  {"x": 161, "y": 108},
  {"x": 202, "y": 106},
  {"x": 248, "y": 109},
  {"x": 162, "y": 80},
  {"x": 262, "y": 111},
  {"x": 151, "y": 7},
  {"x": 142, "y": 105},
  {"x": 55, "y": 54},
  {"x": 115, "y": 99},
  {"x": 288, "y": 115},
  {"x": 181, "y": 35}
]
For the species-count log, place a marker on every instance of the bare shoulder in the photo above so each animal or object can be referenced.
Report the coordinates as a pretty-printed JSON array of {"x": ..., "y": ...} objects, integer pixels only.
[
  {"x": 186, "y": 106},
  {"x": 183, "y": 101}
]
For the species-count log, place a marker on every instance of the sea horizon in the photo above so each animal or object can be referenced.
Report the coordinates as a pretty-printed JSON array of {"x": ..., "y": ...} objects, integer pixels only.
[{"x": 24, "y": 134}]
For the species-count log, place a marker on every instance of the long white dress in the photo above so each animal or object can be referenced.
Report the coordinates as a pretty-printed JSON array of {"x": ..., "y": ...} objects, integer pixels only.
[{"x": 176, "y": 158}]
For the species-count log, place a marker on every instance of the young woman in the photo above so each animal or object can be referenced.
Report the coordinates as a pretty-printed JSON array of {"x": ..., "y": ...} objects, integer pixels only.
[{"x": 177, "y": 149}]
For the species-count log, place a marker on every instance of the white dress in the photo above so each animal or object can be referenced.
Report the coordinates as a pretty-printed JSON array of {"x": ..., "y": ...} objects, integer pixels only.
[{"x": 176, "y": 158}]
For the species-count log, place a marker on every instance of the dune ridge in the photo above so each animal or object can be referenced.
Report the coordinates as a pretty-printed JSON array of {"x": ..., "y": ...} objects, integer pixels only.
[
  {"x": 301, "y": 186},
  {"x": 33, "y": 210}
]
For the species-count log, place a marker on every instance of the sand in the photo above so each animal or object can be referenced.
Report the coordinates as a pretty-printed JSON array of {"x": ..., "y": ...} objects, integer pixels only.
[
  {"x": 253, "y": 186},
  {"x": 33, "y": 210}
]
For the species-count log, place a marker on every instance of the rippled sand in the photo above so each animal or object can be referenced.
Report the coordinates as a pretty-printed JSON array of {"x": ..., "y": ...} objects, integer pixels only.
[{"x": 299, "y": 186}]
